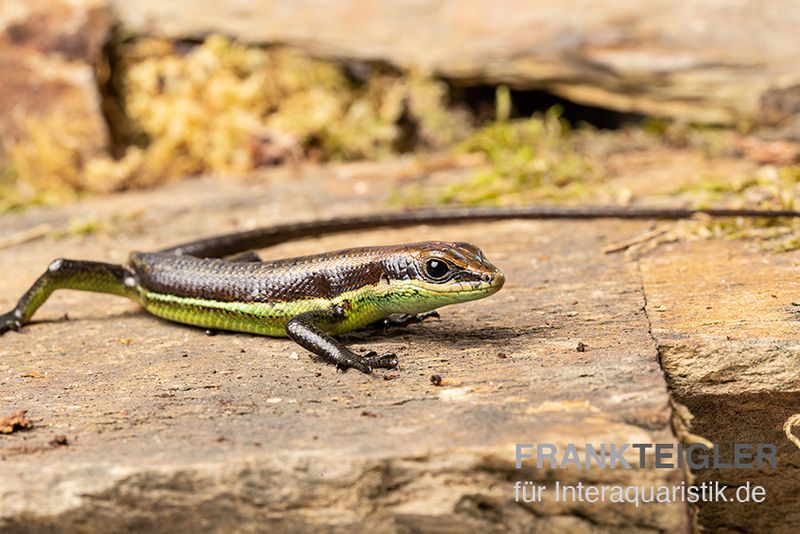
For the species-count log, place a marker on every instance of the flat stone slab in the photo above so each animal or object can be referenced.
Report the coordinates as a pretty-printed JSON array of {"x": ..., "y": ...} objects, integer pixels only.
[
  {"x": 727, "y": 335},
  {"x": 708, "y": 62},
  {"x": 169, "y": 427}
]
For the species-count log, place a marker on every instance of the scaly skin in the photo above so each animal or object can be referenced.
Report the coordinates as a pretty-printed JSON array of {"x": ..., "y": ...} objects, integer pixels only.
[
  {"x": 261, "y": 297},
  {"x": 70, "y": 274},
  {"x": 308, "y": 298},
  {"x": 311, "y": 298}
]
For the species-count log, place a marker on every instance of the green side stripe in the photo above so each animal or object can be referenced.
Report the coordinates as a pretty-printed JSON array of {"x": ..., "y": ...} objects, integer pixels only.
[{"x": 362, "y": 306}]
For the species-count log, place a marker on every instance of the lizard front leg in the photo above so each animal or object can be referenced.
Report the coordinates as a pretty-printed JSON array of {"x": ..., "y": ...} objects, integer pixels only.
[{"x": 308, "y": 330}]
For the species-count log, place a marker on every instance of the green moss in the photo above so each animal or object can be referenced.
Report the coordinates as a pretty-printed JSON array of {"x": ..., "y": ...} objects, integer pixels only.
[
  {"x": 526, "y": 160},
  {"x": 776, "y": 188},
  {"x": 80, "y": 226},
  {"x": 770, "y": 188},
  {"x": 708, "y": 139},
  {"x": 8, "y": 189}
]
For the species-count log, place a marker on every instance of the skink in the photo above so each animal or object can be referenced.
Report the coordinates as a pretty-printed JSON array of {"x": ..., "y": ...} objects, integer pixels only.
[{"x": 310, "y": 299}]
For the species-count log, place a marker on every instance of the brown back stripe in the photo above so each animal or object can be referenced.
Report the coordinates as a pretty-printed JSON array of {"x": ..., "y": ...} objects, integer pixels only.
[{"x": 212, "y": 279}]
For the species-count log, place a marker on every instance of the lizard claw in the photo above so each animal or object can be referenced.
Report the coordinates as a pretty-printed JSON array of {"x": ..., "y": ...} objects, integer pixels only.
[
  {"x": 353, "y": 363},
  {"x": 383, "y": 361}
]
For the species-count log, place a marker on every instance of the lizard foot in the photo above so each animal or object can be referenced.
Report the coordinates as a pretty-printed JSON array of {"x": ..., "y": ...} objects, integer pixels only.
[
  {"x": 382, "y": 361},
  {"x": 9, "y": 321},
  {"x": 369, "y": 361}
]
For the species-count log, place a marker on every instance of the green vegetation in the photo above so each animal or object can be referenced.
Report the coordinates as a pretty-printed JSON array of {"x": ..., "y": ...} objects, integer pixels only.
[
  {"x": 770, "y": 188},
  {"x": 527, "y": 160},
  {"x": 534, "y": 159},
  {"x": 8, "y": 189},
  {"x": 709, "y": 140}
]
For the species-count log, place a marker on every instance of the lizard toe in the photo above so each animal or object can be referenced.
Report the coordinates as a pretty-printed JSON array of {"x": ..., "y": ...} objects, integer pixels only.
[{"x": 383, "y": 361}]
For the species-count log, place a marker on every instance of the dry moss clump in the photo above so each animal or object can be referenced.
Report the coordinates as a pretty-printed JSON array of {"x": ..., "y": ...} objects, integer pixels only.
[
  {"x": 48, "y": 166},
  {"x": 225, "y": 107}
]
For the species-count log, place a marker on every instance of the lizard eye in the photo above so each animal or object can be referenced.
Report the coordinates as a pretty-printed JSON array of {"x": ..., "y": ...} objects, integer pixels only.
[{"x": 436, "y": 269}]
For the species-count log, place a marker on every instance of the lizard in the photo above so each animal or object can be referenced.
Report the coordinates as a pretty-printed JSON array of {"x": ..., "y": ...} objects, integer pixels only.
[{"x": 219, "y": 283}]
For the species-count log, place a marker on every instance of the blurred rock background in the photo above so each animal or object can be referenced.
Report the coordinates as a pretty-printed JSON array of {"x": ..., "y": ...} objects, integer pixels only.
[{"x": 104, "y": 95}]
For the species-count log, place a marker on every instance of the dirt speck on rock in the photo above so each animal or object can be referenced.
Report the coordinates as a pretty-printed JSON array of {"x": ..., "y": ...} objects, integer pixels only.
[{"x": 15, "y": 422}]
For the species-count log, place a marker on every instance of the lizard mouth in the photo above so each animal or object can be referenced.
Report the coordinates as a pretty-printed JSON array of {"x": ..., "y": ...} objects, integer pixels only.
[
  {"x": 491, "y": 282},
  {"x": 484, "y": 285},
  {"x": 497, "y": 280}
]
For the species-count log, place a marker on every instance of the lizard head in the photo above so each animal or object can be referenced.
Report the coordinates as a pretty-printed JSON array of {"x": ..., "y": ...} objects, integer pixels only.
[{"x": 437, "y": 273}]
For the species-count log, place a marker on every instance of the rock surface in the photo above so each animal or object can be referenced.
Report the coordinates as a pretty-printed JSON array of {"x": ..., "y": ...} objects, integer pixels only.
[
  {"x": 707, "y": 61},
  {"x": 165, "y": 426},
  {"x": 168, "y": 427},
  {"x": 48, "y": 55},
  {"x": 731, "y": 354}
]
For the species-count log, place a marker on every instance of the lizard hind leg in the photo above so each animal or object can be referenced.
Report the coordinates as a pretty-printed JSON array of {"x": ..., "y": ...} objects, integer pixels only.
[
  {"x": 70, "y": 274},
  {"x": 403, "y": 320}
]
